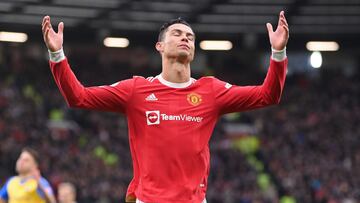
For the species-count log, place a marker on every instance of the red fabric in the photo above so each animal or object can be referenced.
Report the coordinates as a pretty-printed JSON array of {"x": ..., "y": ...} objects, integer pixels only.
[{"x": 169, "y": 134}]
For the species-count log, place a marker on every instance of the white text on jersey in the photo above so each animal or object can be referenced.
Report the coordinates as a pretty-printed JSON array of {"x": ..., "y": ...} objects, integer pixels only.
[
  {"x": 154, "y": 117},
  {"x": 181, "y": 117}
]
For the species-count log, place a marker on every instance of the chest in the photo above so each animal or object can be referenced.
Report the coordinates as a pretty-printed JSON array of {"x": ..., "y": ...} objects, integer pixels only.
[
  {"x": 173, "y": 104},
  {"x": 22, "y": 191}
]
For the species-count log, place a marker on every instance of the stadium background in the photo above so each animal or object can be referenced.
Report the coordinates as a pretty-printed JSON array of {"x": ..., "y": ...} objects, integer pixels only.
[{"x": 303, "y": 150}]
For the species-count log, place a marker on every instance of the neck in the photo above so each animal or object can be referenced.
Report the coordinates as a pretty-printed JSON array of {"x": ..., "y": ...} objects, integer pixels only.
[
  {"x": 175, "y": 71},
  {"x": 24, "y": 175}
]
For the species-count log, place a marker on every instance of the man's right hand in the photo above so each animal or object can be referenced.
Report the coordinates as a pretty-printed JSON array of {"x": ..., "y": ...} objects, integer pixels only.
[{"x": 53, "y": 40}]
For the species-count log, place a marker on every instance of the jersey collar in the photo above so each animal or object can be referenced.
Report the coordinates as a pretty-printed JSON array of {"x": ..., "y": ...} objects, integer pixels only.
[{"x": 175, "y": 85}]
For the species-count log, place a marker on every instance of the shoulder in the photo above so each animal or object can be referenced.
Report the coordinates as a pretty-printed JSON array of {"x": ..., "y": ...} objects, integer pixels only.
[
  {"x": 140, "y": 78},
  {"x": 11, "y": 179},
  {"x": 210, "y": 79},
  {"x": 4, "y": 188},
  {"x": 206, "y": 79},
  {"x": 126, "y": 82},
  {"x": 143, "y": 80},
  {"x": 216, "y": 83},
  {"x": 44, "y": 182},
  {"x": 45, "y": 185}
]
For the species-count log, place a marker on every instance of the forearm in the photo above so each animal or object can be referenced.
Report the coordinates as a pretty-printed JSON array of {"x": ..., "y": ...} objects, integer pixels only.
[
  {"x": 104, "y": 98},
  {"x": 69, "y": 86},
  {"x": 49, "y": 198},
  {"x": 275, "y": 78},
  {"x": 2, "y": 201}
]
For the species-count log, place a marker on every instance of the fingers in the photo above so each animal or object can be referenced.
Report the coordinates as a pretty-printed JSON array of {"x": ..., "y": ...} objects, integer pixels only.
[
  {"x": 44, "y": 19},
  {"x": 286, "y": 29},
  {"x": 269, "y": 28},
  {"x": 46, "y": 34},
  {"x": 282, "y": 19},
  {"x": 46, "y": 24},
  {"x": 61, "y": 28},
  {"x": 46, "y": 31},
  {"x": 283, "y": 22},
  {"x": 282, "y": 13}
]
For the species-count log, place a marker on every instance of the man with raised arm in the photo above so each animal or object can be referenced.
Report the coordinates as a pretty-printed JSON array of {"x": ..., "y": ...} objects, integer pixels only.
[{"x": 170, "y": 116}]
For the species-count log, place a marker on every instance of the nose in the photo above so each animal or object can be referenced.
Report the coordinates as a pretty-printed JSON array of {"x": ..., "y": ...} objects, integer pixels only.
[{"x": 184, "y": 38}]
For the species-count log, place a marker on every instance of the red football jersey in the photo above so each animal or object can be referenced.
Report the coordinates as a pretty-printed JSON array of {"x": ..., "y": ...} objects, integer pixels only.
[{"x": 170, "y": 124}]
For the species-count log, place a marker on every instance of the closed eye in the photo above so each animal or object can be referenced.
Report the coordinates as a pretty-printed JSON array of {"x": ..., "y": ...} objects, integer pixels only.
[
  {"x": 176, "y": 32},
  {"x": 189, "y": 35}
]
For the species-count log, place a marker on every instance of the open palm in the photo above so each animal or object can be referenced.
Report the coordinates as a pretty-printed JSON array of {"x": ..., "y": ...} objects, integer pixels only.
[
  {"x": 279, "y": 38},
  {"x": 53, "y": 40}
]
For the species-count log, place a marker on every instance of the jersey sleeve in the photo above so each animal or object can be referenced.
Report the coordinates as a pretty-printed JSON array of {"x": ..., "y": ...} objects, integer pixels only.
[
  {"x": 232, "y": 98},
  {"x": 46, "y": 186},
  {"x": 112, "y": 98},
  {"x": 4, "y": 191}
]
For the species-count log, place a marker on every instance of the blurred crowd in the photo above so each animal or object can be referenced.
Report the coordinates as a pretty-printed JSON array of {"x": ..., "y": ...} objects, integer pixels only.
[
  {"x": 311, "y": 140},
  {"x": 308, "y": 142}
]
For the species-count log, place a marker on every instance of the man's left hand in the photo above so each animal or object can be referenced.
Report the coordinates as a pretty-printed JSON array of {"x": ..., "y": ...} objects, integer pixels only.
[{"x": 279, "y": 38}]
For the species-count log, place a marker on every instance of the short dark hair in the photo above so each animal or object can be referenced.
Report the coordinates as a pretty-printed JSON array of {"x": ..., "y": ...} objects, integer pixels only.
[
  {"x": 165, "y": 26},
  {"x": 33, "y": 153}
]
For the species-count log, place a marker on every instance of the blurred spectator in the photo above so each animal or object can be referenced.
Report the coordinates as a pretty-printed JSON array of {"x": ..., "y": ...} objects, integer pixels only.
[
  {"x": 66, "y": 193},
  {"x": 28, "y": 186}
]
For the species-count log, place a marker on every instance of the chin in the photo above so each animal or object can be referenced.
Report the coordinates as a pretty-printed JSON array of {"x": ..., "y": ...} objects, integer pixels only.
[
  {"x": 183, "y": 54},
  {"x": 183, "y": 58}
]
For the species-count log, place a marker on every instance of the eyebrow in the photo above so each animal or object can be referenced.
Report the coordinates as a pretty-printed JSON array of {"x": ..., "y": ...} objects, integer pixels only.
[{"x": 187, "y": 33}]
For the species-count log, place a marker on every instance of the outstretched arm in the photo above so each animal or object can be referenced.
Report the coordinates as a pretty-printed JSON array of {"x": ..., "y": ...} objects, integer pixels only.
[
  {"x": 104, "y": 98},
  {"x": 232, "y": 98}
]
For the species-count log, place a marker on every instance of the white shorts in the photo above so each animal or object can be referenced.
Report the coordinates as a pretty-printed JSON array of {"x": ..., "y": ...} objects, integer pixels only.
[{"x": 139, "y": 201}]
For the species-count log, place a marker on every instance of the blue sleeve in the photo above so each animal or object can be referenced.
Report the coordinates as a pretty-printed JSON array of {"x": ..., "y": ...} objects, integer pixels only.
[
  {"x": 3, "y": 192},
  {"x": 46, "y": 185}
]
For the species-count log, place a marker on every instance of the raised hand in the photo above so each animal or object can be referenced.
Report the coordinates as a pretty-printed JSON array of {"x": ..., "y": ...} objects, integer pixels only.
[
  {"x": 53, "y": 40},
  {"x": 279, "y": 38}
]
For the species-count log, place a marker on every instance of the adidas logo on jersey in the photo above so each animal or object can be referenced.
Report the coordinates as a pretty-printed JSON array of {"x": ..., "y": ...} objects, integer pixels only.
[{"x": 151, "y": 97}]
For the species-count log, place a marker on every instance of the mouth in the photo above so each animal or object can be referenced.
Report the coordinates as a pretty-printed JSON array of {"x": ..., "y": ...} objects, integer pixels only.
[{"x": 184, "y": 46}]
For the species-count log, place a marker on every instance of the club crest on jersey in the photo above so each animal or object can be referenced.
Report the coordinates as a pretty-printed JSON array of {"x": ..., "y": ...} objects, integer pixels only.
[
  {"x": 194, "y": 99},
  {"x": 153, "y": 117}
]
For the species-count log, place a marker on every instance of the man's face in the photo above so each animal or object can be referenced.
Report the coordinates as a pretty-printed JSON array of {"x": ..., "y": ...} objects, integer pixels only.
[
  {"x": 25, "y": 163},
  {"x": 178, "y": 42},
  {"x": 65, "y": 194}
]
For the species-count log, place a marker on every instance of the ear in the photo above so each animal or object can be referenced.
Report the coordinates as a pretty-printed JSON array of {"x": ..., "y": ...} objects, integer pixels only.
[{"x": 159, "y": 46}]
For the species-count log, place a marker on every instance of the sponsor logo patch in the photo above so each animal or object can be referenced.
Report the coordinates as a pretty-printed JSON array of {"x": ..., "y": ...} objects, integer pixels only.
[{"x": 153, "y": 117}]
